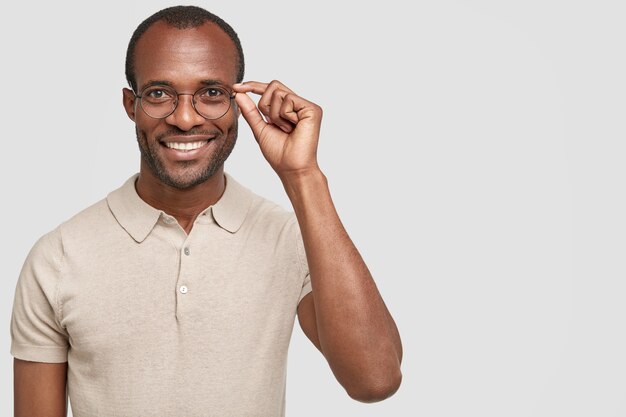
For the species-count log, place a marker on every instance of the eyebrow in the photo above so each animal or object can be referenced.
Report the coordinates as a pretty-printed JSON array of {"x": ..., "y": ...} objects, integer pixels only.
[
  {"x": 155, "y": 82},
  {"x": 208, "y": 82},
  {"x": 217, "y": 83},
  {"x": 213, "y": 82}
]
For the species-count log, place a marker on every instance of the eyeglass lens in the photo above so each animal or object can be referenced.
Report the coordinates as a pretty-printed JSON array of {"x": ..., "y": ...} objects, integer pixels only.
[{"x": 161, "y": 101}]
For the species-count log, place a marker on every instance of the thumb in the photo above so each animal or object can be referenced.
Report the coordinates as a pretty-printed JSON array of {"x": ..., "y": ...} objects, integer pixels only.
[{"x": 251, "y": 113}]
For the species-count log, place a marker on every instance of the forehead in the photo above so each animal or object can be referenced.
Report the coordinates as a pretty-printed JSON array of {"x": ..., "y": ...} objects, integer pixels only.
[{"x": 185, "y": 57}]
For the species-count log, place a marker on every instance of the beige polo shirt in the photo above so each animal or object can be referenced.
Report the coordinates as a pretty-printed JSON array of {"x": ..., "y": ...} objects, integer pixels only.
[{"x": 155, "y": 322}]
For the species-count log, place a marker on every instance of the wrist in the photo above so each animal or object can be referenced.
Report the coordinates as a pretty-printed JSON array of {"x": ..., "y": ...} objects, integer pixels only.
[
  {"x": 301, "y": 176},
  {"x": 303, "y": 182}
]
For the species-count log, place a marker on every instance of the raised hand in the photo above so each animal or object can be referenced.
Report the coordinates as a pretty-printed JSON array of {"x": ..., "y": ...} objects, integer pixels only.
[{"x": 285, "y": 125}]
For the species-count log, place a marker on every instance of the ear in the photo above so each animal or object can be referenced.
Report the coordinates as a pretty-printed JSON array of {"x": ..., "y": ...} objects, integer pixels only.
[
  {"x": 238, "y": 109},
  {"x": 128, "y": 100}
]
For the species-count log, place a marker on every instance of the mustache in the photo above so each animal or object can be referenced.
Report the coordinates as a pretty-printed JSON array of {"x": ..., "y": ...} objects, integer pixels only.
[{"x": 193, "y": 132}]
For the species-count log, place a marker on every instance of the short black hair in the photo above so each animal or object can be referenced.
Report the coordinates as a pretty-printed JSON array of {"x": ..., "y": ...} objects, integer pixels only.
[{"x": 180, "y": 17}]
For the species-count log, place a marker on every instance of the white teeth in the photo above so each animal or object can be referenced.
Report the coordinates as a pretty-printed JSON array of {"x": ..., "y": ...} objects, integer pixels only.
[{"x": 185, "y": 146}]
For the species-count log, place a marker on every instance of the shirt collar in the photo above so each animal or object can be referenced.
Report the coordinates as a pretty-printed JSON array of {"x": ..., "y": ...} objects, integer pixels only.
[
  {"x": 232, "y": 208},
  {"x": 138, "y": 218}
]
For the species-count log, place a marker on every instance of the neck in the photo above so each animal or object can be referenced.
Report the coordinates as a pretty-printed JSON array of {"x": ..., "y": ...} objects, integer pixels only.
[{"x": 186, "y": 204}]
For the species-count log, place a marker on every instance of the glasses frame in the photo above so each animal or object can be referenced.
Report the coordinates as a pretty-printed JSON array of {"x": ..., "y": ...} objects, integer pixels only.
[{"x": 193, "y": 100}]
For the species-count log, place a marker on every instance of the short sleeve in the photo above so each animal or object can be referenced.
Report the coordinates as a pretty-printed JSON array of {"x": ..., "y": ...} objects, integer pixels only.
[
  {"x": 304, "y": 266},
  {"x": 36, "y": 332}
]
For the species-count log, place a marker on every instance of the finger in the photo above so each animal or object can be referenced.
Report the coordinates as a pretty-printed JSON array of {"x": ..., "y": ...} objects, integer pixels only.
[
  {"x": 296, "y": 106},
  {"x": 259, "y": 88},
  {"x": 307, "y": 114},
  {"x": 266, "y": 98},
  {"x": 267, "y": 92},
  {"x": 251, "y": 87},
  {"x": 251, "y": 114},
  {"x": 265, "y": 102},
  {"x": 287, "y": 109},
  {"x": 276, "y": 104}
]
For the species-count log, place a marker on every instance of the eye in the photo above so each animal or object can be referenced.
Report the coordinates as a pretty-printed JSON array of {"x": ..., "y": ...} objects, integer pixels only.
[
  {"x": 211, "y": 94},
  {"x": 158, "y": 95},
  {"x": 214, "y": 92}
]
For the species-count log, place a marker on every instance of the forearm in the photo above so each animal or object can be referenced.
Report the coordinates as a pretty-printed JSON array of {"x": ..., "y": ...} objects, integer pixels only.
[
  {"x": 357, "y": 335},
  {"x": 39, "y": 389}
]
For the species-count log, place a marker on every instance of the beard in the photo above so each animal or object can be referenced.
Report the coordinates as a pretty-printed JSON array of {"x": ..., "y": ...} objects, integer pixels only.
[{"x": 189, "y": 173}]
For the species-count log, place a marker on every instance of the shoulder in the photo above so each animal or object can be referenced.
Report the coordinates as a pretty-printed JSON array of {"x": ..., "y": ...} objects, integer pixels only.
[
  {"x": 87, "y": 222},
  {"x": 51, "y": 246},
  {"x": 273, "y": 223},
  {"x": 47, "y": 249},
  {"x": 241, "y": 205},
  {"x": 264, "y": 212}
]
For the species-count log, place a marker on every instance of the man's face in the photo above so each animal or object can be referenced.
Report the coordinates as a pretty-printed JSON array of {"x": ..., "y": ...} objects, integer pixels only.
[{"x": 187, "y": 60}]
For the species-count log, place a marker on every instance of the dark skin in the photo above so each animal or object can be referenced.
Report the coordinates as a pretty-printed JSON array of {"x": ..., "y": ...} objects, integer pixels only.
[
  {"x": 183, "y": 59},
  {"x": 344, "y": 316},
  {"x": 39, "y": 389}
]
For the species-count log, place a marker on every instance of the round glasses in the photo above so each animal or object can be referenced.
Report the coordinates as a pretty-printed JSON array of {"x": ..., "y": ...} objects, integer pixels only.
[{"x": 159, "y": 101}]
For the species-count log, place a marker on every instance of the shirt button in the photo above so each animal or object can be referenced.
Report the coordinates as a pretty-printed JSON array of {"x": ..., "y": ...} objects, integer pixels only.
[
  {"x": 187, "y": 251},
  {"x": 183, "y": 289},
  {"x": 169, "y": 220}
]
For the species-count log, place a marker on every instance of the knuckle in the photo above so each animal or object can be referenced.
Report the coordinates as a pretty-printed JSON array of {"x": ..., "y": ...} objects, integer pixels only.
[{"x": 264, "y": 104}]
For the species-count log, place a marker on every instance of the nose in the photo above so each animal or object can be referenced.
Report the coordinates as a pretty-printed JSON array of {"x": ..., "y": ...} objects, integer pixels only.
[{"x": 185, "y": 116}]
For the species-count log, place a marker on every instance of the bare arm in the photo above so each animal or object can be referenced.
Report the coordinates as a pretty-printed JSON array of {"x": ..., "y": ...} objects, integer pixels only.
[
  {"x": 345, "y": 316},
  {"x": 39, "y": 389}
]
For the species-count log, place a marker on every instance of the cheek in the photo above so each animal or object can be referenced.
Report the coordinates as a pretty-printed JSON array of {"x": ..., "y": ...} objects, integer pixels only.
[
  {"x": 147, "y": 126},
  {"x": 229, "y": 122}
]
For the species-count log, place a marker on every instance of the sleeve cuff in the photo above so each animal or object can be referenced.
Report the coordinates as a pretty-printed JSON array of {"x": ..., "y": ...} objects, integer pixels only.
[
  {"x": 305, "y": 290},
  {"x": 50, "y": 354}
]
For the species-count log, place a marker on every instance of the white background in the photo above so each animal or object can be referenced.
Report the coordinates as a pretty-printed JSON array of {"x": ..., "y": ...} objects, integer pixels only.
[{"x": 474, "y": 151}]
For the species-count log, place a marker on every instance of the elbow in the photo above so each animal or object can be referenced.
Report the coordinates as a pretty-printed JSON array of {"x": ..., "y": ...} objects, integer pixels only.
[{"x": 377, "y": 390}]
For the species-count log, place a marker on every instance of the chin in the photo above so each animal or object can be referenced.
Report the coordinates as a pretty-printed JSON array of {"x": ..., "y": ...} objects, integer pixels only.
[
  {"x": 189, "y": 179},
  {"x": 185, "y": 174}
]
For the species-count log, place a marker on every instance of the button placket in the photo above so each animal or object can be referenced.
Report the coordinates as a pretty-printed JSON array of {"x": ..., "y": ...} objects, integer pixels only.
[{"x": 183, "y": 282}]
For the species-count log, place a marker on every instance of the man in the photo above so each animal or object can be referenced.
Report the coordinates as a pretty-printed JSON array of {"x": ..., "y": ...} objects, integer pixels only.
[{"x": 176, "y": 295}]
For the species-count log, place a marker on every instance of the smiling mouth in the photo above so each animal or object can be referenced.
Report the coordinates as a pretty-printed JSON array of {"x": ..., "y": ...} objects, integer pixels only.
[{"x": 186, "y": 146}]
